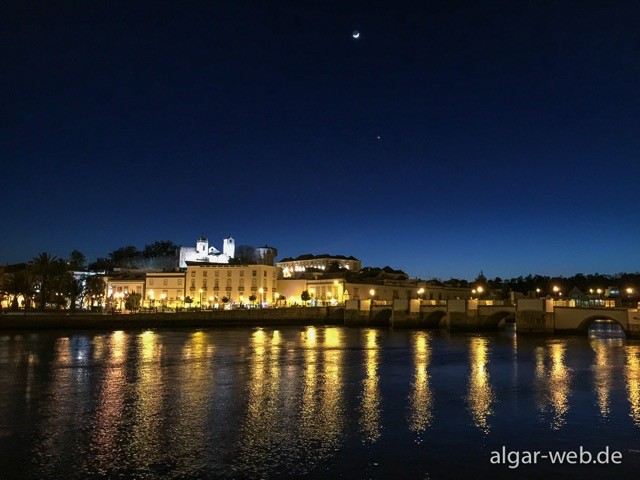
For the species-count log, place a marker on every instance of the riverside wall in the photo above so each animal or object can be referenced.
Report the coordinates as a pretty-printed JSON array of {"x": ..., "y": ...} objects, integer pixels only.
[{"x": 216, "y": 318}]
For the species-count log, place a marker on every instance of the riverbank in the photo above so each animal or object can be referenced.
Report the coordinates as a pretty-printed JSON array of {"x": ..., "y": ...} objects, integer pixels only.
[{"x": 273, "y": 317}]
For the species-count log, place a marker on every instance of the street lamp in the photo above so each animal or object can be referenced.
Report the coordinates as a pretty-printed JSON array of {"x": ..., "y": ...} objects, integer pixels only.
[
  {"x": 261, "y": 291},
  {"x": 312, "y": 292},
  {"x": 538, "y": 292},
  {"x": 211, "y": 302},
  {"x": 276, "y": 296},
  {"x": 151, "y": 298},
  {"x": 201, "y": 290},
  {"x": 556, "y": 289},
  {"x": 420, "y": 293}
]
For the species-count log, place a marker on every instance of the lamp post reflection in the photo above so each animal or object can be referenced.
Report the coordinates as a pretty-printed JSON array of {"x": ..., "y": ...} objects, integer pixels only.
[
  {"x": 632, "y": 377},
  {"x": 480, "y": 395},
  {"x": 421, "y": 398},
  {"x": 370, "y": 419}
]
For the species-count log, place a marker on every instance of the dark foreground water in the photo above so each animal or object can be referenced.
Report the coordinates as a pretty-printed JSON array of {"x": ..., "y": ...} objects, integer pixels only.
[{"x": 314, "y": 402}]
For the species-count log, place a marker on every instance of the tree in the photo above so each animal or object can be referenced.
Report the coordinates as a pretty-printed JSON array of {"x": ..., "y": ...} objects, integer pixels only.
[
  {"x": 133, "y": 301},
  {"x": 245, "y": 255},
  {"x": 76, "y": 260},
  {"x": 101, "y": 264},
  {"x": 334, "y": 266},
  {"x": 225, "y": 300},
  {"x": 43, "y": 267},
  {"x": 96, "y": 288},
  {"x": 125, "y": 257},
  {"x": 19, "y": 283},
  {"x": 252, "y": 298},
  {"x": 305, "y": 296},
  {"x": 70, "y": 288},
  {"x": 161, "y": 248}
]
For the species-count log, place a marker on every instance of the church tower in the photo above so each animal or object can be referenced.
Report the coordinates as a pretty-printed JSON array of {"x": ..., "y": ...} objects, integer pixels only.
[
  {"x": 229, "y": 247},
  {"x": 202, "y": 246}
]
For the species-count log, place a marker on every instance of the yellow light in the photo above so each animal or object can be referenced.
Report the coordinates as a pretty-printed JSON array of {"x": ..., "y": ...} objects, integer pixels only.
[
  {"x": 599, "y": 291},
  {"x": 201, "y": 290},
  {"x": 480, "y": 289},
  {"x": 211, "y": 298},
  {"x": 556, "y": 288},
  {"x": 312, "y": 290},
  {"x": 629, "y": 291},
  {"x": 372, "y": 292},
  {"x": 261, "y": 290},
  {"x": 537, "y": 290},
  {"x": 163, "y": 296},
  {"x": 336, "y": 283},
  {"x": 329, "y": 294},
  {"x": 421, "y": 291},
  {"x": 277, "y": 295}
]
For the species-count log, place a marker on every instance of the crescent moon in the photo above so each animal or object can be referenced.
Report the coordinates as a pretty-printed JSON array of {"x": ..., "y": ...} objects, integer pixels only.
[{"x": 356, "y": 34}]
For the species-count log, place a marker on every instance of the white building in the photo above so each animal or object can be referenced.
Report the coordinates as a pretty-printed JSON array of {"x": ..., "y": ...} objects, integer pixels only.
[{"x": 203, "y": 253}]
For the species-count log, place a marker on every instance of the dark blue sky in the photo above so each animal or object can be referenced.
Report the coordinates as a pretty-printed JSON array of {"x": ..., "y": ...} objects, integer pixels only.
[{"x": 509, "y": 131}]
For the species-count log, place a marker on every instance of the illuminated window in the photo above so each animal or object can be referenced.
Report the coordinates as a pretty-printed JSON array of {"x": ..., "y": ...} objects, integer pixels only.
[{"x": 254, "y": 272}]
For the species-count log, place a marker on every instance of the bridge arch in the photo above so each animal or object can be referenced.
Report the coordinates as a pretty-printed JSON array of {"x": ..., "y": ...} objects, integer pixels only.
[
  {"x": 432, "y": 319},
  {"x": 587, "y": 322},
  {"x": 494, "y": 320},
  {"x": 382, "y": 317}
]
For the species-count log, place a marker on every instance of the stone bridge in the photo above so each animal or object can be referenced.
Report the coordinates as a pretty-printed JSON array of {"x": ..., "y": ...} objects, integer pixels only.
[{"x": 530, "y": 315}]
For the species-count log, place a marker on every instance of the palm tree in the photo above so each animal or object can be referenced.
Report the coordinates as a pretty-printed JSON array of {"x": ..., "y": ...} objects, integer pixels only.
[
  {"x": 96, "y": 288},
  {"x": 45, "y": 268}
]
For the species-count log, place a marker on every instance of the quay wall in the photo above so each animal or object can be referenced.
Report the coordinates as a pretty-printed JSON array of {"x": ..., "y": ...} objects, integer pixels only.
[{"x": 216, "y": 318}]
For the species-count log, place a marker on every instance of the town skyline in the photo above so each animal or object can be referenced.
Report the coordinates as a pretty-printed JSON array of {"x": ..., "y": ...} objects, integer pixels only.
[{"x": 89, "y": 260}]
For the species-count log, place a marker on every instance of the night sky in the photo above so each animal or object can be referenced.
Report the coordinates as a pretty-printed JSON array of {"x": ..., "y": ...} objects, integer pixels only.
[{"x": 451, "y": 137}]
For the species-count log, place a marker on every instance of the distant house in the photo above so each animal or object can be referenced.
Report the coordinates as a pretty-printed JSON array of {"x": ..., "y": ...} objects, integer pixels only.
[{"x": 292, "y": 266}]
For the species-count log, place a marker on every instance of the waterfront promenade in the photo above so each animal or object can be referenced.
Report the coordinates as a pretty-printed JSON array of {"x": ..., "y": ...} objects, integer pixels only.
[{"x": 530, "y": 316}]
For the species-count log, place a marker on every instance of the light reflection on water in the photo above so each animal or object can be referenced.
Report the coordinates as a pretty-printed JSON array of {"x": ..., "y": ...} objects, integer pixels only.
[
  {"x": 370, "y": 408},
  {"x": 480, "y": 394},
  {"x": 317, "y": 401},
  {"x": 421, "y": 399}
]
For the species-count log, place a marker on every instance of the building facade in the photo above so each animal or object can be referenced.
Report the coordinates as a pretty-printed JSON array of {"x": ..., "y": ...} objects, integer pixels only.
[
  {"x": 166, "y": 289},
  {"x": 207, "y": 285},
  {"x": 292, "y": 266}
]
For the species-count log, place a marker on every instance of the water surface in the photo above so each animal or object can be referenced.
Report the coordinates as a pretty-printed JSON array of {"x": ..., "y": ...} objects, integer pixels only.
[{"x": 319, "y": 402}]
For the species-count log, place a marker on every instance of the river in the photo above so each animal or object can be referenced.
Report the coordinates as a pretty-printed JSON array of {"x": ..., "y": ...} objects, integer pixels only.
[{"x": 323, "y": 402}]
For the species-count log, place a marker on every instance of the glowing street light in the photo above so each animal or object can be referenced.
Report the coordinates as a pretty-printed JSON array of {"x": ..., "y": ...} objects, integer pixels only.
[
  {"x": 261, "y": 291},
  {"x": 201, "y": 290},
  {"x": 420, "y": 293}
]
